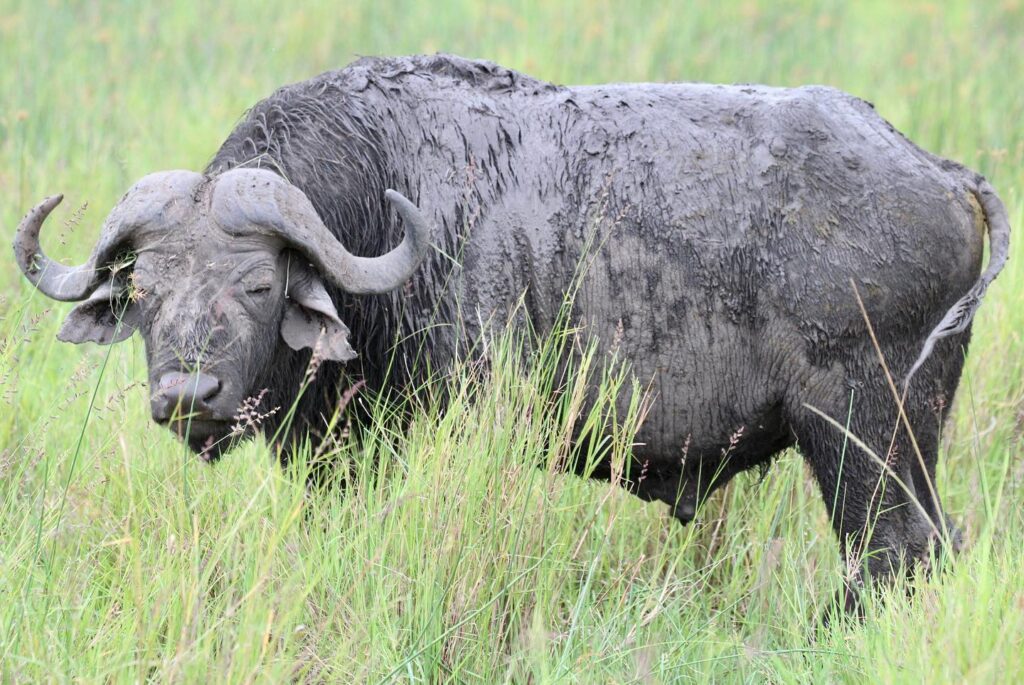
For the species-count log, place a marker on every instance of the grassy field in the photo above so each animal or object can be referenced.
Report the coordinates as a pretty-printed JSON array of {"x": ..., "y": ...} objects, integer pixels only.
[{"x": 123, "y": 559}]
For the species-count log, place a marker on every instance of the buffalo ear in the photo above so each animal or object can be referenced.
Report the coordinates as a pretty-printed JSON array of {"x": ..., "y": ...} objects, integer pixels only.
[
  {"x": 311, "y": 318},
  {"x": 102, "y": 319}
]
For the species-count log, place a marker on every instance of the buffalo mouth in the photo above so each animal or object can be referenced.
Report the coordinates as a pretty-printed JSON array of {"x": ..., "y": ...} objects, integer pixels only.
[{"x": 209, "y": 438}]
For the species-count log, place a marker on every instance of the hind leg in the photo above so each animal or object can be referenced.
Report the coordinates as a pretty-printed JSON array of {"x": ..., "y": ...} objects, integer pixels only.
[{"x": 878, "y": 481}]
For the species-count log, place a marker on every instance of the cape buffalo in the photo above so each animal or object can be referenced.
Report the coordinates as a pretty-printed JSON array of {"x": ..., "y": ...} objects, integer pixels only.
[{"x": 732, "y": 233}]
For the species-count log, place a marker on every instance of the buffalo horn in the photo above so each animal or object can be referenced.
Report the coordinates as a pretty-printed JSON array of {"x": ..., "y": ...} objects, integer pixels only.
[
  {"x": 266, "y": 199},
  {"x": 64, "y": 283},
  {"x": 142, "y": 205}
]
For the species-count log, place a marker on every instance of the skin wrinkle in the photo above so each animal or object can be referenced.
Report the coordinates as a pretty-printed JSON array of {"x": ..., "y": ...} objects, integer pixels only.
[{"x": 723, "y": 226}]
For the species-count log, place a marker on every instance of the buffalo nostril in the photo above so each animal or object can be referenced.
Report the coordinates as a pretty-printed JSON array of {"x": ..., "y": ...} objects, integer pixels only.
[{"x": 187, "y": 391}]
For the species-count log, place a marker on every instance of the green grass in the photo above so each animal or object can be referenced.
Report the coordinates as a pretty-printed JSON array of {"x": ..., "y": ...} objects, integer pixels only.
[{"x": 122, "y": 558}]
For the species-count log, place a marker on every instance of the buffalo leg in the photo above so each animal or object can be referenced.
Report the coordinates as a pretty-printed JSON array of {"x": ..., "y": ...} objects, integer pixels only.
[{"x": 888, "y": 517}]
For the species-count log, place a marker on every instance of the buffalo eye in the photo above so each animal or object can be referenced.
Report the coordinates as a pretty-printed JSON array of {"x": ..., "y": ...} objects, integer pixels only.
[
  {"x": 258, "y": 284},
  {"x": 258, "y": 293}
]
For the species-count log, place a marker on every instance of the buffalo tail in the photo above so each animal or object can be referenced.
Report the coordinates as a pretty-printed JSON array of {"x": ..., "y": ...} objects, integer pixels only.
[{"x": 959, "y": 316}]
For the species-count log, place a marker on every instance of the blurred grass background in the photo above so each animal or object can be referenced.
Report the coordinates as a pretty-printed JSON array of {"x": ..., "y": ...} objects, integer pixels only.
[{"x": 122, "y": 559}]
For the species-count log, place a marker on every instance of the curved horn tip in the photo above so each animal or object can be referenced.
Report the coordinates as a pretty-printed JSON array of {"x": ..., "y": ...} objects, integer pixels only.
[
  {"x": 410, "y": 212},
  {"x": 27, "y": 234},
  {"x": 59, "y": 282},
  {"x": 47, "y": 205},
  {"x": 397, "y": 198}
]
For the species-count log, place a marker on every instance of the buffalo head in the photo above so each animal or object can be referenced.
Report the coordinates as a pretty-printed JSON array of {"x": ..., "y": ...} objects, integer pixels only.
[{"x": 215, "y": 273}]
